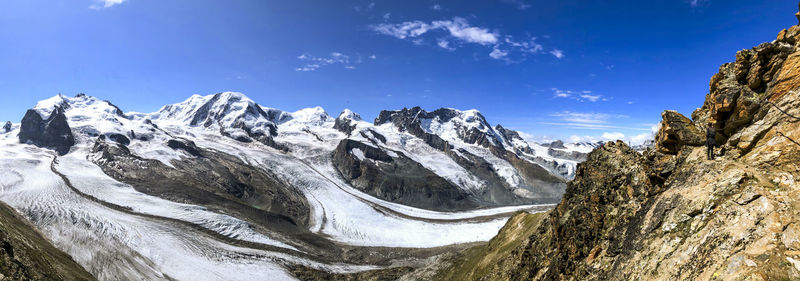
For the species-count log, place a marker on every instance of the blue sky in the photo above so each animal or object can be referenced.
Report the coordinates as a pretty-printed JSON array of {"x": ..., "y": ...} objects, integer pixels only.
[{"x": 564, "y": 69}]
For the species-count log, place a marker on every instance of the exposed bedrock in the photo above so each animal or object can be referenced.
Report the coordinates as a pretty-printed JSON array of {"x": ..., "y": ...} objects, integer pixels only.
[
  {"x": 53, "y": 132},
  {"x": 215, "y": 180},
  {"x": 397, "y": 179}
]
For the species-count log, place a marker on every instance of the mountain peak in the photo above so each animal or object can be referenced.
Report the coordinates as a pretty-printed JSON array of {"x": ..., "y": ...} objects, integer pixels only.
[{"x": 349, "y": 114}]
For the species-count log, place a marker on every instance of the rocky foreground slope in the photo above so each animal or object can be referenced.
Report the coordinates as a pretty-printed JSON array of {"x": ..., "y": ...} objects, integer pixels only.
[{"x": 669, "y": 213}]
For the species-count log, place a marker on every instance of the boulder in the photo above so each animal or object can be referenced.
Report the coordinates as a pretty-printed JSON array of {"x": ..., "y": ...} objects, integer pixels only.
[
  {"x": 677, "y": 131},
  {"x": 53, "y": 132},
  {"x": 7, "y": 127}
]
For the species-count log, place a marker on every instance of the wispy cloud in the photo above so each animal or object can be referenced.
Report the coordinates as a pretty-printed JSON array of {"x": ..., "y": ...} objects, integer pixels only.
[
  {"x": 444, "y": 44},
  {"x": 102, "y": 4},
  {"x": 312, "y": 63},
  {"x": 579, "y": 96},
  {"x": 436, "y": 7},
  {"x": 458, "y": 28},
  {"x": 586, "y": 117},
  {"x": 458, "y": 32},
  {"x": 590, "y": 121}
]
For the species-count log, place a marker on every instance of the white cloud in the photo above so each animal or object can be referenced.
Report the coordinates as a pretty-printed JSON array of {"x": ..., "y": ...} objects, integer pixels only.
[
  {"x": 102, "y": 4},
  {"x": 312, "y": 63},
  {"x": 460, "y": 28},
  {"x": 436, "y": 7},
  {"x": 557, "y": 53},
  {"x": 457, "y": 27},
  {"x": 529, "y": 46},
  {"x": 372, "y": 57},
  {"x": 498, "y": 54},
  {"x": 640, "y": 138},
  {"x": 445, "y": 44},
  {"x": 591, "y": 98},
  {"x": 459, "y": 31},
  {"x": 612, "y": 136},
  {"x": 579, "y": 96},
  {"x": 584, "y": 117},
  {"x": 386, "y": 16}
]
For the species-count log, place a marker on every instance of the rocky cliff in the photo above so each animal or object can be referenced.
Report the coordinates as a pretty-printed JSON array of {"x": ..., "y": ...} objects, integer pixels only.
[
  {"x": 53, "y": 132},
  {"x": 668, "y": 213}
]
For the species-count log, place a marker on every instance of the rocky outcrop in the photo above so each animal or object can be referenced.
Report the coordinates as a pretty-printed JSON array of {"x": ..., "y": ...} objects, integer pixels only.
[
  {"x": 7, "y": 127},
  {"x": 26, "y": 255},
  {"x": 409, "y": 120},
  {"x": 511, "y": 135},
  {"x": 677, "y": 131},
  {"x": 670, "y": 214},
  {"x": 740, "y": 88},
  {"x": 346, "y": 121},
  {"x": 211, "y": 179},
  {"x": 53, "y": 132},
  {"x": 397, "y": 178}
]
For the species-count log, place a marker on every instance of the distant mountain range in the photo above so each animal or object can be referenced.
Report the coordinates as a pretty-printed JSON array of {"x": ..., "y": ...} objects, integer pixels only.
[{"x": 303, "y": 188}]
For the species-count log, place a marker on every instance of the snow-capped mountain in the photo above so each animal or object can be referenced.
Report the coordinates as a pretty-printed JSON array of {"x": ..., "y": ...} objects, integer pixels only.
[{"x": 264, "y": 190}]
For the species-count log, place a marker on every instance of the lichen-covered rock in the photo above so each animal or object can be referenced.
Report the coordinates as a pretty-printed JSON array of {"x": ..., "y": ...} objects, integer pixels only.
[
  {"x": 53, "y": 132},
  {"x": 677, "y": 131}
]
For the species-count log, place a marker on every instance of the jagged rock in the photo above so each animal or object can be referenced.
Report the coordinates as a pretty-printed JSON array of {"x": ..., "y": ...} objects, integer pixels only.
[
  {"x": 798, "y": 14},
  {"x": 737, "y": 91},
  {"x": 7, "y": 127},
  {"x": 409, "y": 120},
  {"x": 187, "y": 146},
  {"x": 397, "y": 179},
  {"x": 53, "y": 132},
  {"x": 346, "y": 121},
  {"x": 677, "y": 131},
  {"x": 471, "y": 127},
  {"x": 511, "y": 135}
]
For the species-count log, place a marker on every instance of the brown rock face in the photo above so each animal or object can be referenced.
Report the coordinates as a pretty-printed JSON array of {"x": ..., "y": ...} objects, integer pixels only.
[
  {"x": 740, "y": 88},
  {"x": 677, "y": 131},
  {"x": 670, "y": 214}
]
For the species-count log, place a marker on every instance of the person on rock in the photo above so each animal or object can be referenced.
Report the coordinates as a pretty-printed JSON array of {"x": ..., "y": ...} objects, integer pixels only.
[{"x": 711, "y": 141}]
